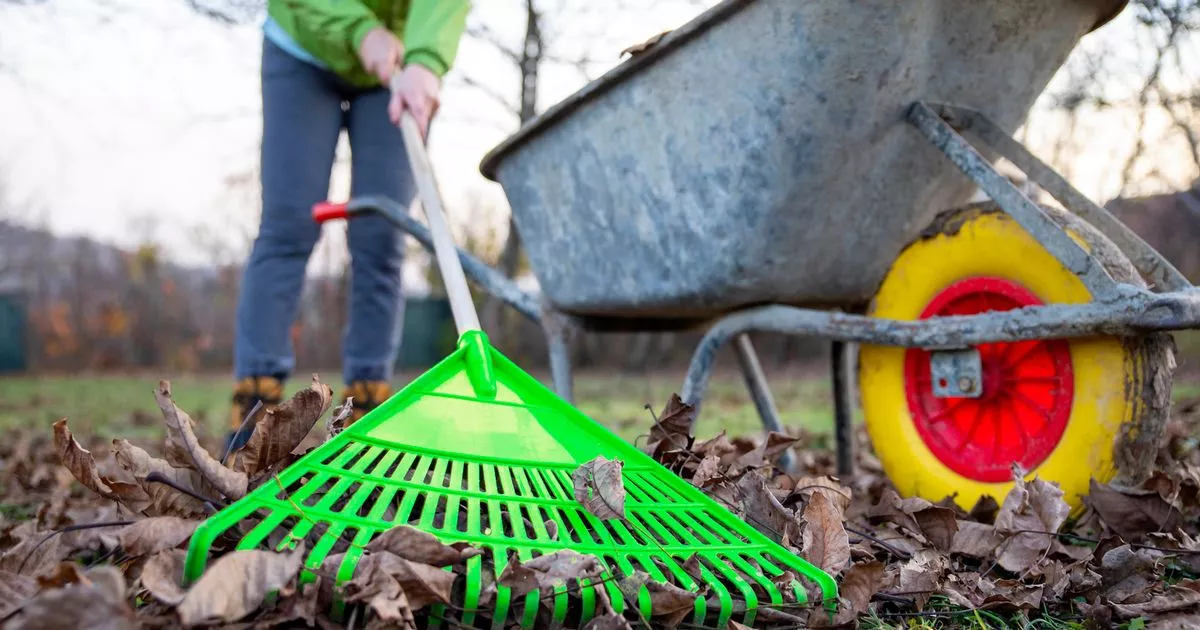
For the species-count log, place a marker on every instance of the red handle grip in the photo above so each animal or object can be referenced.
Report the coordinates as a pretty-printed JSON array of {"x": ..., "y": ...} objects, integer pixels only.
[{"x": 328, "y": 210}]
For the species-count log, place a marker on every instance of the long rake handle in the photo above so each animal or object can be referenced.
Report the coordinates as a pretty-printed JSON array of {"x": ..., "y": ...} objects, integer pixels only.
[{"x": 465, "y": 317}]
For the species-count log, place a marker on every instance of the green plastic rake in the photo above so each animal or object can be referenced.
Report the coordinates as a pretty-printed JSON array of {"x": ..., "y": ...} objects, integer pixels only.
[{"x": 476, "y": 445}]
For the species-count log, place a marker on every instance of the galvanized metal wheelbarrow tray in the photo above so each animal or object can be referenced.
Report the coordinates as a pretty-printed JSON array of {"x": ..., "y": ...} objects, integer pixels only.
[{"x": 761, "y": 168}]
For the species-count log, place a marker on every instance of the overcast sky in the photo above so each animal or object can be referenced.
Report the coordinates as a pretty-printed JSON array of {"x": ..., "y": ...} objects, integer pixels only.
[{"x": 124, "y": 119}]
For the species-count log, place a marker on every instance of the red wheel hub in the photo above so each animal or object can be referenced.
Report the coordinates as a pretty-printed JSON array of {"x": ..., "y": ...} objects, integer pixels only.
[{"x": 1027, "y": 391}]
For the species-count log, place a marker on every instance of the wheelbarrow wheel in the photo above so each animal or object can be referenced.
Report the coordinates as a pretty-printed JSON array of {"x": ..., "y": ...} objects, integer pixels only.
[{"x": 1064, "y": 410}]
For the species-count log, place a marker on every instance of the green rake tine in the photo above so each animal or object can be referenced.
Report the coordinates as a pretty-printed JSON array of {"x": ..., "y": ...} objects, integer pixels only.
[{"x": 473, "y": 449}]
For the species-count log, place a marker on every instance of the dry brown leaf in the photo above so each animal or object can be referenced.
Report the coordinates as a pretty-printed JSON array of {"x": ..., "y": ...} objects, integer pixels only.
[
  {"x": 709, "y": 469},
  {"x": 1179, "y": 596},
  {"x": 1132, "y": 513},
  {"x": 824, "y": 539},
  {"x": 182, "y": 435},
  {"x": 162, "y": 574},
  {"x": 840, "y": 495},
  {"x": 419, "y": 546},
  {"x": 611, "y": 621},
  {"x": 95, "y": 602},
  {"x": 600, "y": 488},
  {"x": 1015, "y": 593},
  {"x": 152, "y": 535},
  {"x": 672, "y": 430},
  {"x": 761, "y": 509},
  {"x": 859, "y": 585},
  {"x": 280, "y": 430},
  {"x": 976, "y": 540},
  {"x": 234, "y": 586},
  {"x": 548, "y": 571},
  {"x": 670, "y": 603},
  {"x": 14, "y": 590},
  {"x": 1127, "y": 574},
  {"x": 164, "y": 500},
  {"x": 642, "y": 47},
  {"x": 718, "y": 446},
  {"x": 933, "y": 523},
  {"x": 83, "y": 466},
  {"x": 923, "y": 575},
  {"x": 395, "y": 588},
  {"x": 36, "y": 552},
  {"x": 1030, "y": 509},
  {"x": 65, "y": 573}
]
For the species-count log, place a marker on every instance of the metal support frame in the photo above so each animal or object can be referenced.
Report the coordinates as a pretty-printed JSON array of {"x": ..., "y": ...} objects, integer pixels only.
[
  {"x": 1118, "y": 309},
  {"x": 842, "y": 375},
  {"x": 760, "y": 392},
  {"x": 1023, "y": 210},
  {"x": 1158, "y": 272}
]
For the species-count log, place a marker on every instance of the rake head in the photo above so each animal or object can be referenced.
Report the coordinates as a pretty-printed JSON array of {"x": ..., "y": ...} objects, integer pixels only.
[{"x": 478, "y": 451}]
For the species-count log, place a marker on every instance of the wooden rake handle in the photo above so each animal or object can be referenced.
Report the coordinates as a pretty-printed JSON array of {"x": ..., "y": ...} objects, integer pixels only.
[{"x": 445, "y": 251}]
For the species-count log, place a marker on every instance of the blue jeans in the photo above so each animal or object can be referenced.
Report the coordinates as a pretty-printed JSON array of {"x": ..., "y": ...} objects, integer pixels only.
[{"x": 302, "y": 117}]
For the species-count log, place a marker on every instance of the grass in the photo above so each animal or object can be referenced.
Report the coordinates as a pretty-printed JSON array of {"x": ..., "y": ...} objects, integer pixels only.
[{"x": 124, "y": 404}]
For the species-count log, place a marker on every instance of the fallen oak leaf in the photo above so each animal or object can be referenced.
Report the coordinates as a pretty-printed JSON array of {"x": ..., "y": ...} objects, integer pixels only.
[
  {"x": 64, "y": 574},
  {"x": 672, "y": 430},
  {"x": 96, "y": 602},
  {"x": 761, "y": 509},
  {"x": 641, "y": 47},
  {"x": 280, "y": 430},
  {"x": 416, "y": 545},
  {"x": 860, "y": 583},
  {"x": 548, "y": 571},
  {"x": 1132, "y": 513},
  {"x": 165, "y": 500},
  {"x": 1179, "y": 596},
  {"x": 162, "y": 574},
  {"x": 14, "y": 590},
  {"x": 666, "y": 600},
  {"x": 600, "y": 488},
  {"x": 235, "y": 585},
  {"x": 824, "y": 541},
  {"x": 82, "y": 465},
  {"x": 976, "y": 540},
  {"x": 394, "y": 587},
  {"x": 610, "y": 621},
  {"x": 825, "y": 484},
  {"x": 1029, "y": 510},
  {"x": 231, "y": 484},
  {"x": 708, "y": 469},
  {"x": 152, "y": 535}
]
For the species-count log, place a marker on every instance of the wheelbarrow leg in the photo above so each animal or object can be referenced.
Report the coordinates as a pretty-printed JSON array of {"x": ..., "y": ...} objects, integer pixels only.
[
  {"x": 558, "y": 331},
  {"x": 756, "y": 382},
  {"x": 841, "y": 354}
]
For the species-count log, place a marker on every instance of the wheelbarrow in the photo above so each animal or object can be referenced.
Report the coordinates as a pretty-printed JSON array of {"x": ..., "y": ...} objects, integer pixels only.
[{"x": 808, "y": 168}]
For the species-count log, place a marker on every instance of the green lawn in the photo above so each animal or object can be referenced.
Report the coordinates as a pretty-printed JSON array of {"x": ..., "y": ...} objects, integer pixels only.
[{"x": 123, "y": 405}]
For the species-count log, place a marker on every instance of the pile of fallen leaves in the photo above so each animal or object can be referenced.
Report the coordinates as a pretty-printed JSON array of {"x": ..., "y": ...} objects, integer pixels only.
[{"x": 97, "y": 536}]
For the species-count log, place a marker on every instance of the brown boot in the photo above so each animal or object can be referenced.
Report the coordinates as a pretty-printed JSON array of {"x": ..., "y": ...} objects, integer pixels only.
[
  {"x": 246, "y": 394},
  {"x": 367, "y": 395}
]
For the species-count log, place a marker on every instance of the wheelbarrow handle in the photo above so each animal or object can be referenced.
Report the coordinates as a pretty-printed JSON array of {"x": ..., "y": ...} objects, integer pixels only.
[{"x": 444, "y": 249}]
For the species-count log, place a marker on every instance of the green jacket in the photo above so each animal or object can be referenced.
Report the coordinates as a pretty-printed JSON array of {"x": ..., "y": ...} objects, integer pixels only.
[{"x": 331, "y": 30}]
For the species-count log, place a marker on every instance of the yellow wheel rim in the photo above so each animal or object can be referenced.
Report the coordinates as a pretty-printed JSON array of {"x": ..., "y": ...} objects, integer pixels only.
[{"x": 990, "y": 244}]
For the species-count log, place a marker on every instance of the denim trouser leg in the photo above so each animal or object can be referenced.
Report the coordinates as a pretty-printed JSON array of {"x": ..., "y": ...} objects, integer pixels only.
[
  {"x": 380, "y": 167},
  {"x": 302, "y": 117}
]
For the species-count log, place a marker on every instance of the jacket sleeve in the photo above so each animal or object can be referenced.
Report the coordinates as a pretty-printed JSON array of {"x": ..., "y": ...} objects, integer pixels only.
[
  {"x": 432, "y": 33},
  {"x": 338, "y": 25}
]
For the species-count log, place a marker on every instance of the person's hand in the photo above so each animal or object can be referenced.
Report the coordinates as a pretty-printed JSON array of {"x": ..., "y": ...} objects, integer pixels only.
[
  {"x": 381, "y": 53},
  {"x": 415, "y": 89}
]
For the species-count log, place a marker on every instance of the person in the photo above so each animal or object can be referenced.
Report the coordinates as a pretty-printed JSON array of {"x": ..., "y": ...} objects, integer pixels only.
[{"x": 329, "y": 65}]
